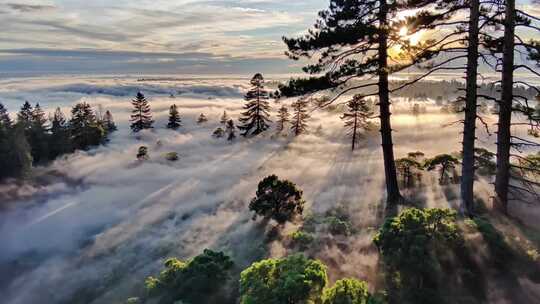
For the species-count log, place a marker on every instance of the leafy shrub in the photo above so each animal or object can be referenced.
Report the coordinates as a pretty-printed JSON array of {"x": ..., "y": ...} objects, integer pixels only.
[
  {"x": 194, "y": 282},
  {"x": 142, "y": 153},
  {"x": 294, "y": 279},
  {"x": 408, "y": 243},
  {"x": 301, "y": 239},
  {"x": 348, "y": 291},
  {"x": 278, "y": 199},
  {"x": 337, "y": 226},
  {"x": 172, "y": 156}
]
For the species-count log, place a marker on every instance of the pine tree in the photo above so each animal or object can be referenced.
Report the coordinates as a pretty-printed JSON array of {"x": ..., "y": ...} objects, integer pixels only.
[
  {"x": 255, "y": 119},
  {"x": 224, "y": 118},
  {"x": 230, "y": 130},
  {"x": 174, "y": 118},
  {"x": 510, "y": 104},
  {"x": 351, "y": 40},
  {"x": 108, "y": 122},
  {"x": 5, "y": 121},
  {"x": 202, "y": 119},
  {"x": 300, "y": 116},
  {"x": 283, "y": 118},
  {"x": 24, "y": 117},
  {"x": 141, "y": 117},
  {"x": 218, "y": 133},
  {"x": 85, "y": 131},
  {"x": 357, "y": 117},
  {"x": 38, "y": 135},
  {"x": 60, "y": 141},
  {"x": 15, "y": 153}
]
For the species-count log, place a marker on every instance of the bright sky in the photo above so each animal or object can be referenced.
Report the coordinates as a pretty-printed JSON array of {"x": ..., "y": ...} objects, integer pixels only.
[{"x": 152, "y": 36}]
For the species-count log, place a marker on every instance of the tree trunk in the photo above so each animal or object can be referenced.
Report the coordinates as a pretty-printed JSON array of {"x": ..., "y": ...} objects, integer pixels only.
[
  {"x": 469, "y": 128},
  {"x": 354, "y": 131},
  {"x": 502, "y": 178},
  {"x": 392, "y": 187}
]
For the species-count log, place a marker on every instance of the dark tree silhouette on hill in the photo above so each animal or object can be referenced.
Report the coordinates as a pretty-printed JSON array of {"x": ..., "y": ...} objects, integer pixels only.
[
  {"x": 60, "y": 141},
  {"x": 141, "y": 117},
  {"x": 108, "y": 122},
  {"x": 230, "y": 130},
  {"x": 84, "y": 128},
  {"x": 5, "y": 120},
  {"x": 174, "y": 118},
  {"x": 24, "y": 117},
  {"x": 202, "y": 119},
  {"x": 283, "y": 118},
  {"x": 255, "y": 119},
  {"x": 38, "y": 135},
  {"x": 224, "y": 118},
  {"x": 300, "y": 116},
  {"x": 358, "y": 116}
]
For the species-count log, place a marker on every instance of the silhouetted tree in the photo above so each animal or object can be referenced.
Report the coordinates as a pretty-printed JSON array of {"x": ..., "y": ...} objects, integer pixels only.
[
  {"x": 38, "y": 135},
  {"x": 224, "y": 118},
  {"x": 108, "y": 122},
  {"x": 5, "y": 120},
  {"x": 60, "y": 141},
  {"x": 218, "y": 133},
  {"x": 351, "y": 40},
  {"x": 142, "y": 153},
  {"x": 444, "y": 163},
  {"x": 202, "y": 119},
  {"x": 15, "y": 153},
  {"x": 283, "y": 118},
  {"x": 84, "y": 128},
  {"x": 358, "y": 116},
  {"x": 255, "y": 119},
  {"x": 408, "y": 168},
  {"x": 300, "y": 116},
  {"x": 277, "y": 199},
  {"x": 230, "y": 130},
  {"x": 141, "y": 117},
  {"x": 511, "y": 46},
  {"x": 24, "y": 117},
  {"x": 174, "y": 118}
]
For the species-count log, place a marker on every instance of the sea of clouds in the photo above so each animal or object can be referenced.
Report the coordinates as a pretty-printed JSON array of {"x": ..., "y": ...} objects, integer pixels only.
[{"x": 97, "y": 222}]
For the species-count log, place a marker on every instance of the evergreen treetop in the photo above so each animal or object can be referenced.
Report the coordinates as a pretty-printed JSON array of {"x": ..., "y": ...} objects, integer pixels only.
[
  {"x": 5, "y": 121},
  {"x": 141, "y": 117},
  {"x": 174, "y": 118},
  {"x": 255, "y": 118}
]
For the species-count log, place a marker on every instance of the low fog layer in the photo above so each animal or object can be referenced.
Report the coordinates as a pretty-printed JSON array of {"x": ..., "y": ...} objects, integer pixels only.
[{"x": 107, "y": 220}]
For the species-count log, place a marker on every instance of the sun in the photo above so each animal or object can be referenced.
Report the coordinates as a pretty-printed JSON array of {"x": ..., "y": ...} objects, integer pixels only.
[{"x": 403, "y": 31}]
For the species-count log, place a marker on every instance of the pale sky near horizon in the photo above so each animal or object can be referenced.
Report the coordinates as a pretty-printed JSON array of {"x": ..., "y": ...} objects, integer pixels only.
[{"x": 153, "y": 36}]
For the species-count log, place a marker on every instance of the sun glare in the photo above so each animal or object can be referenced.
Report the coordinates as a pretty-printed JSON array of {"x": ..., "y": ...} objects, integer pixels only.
[{"x": 403, "y": 31}]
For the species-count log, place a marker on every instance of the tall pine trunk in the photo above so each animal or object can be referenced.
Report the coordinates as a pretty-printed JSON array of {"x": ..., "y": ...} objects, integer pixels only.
[
  {"x": 469, "y": 128},
  {"x": 502, "y": 178},
  {"x": 392, "y": 187},
  {"x": 354, "y": 131}
]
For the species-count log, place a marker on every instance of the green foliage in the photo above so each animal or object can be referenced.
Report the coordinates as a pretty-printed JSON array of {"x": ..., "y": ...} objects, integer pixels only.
[
  {"x": 500, "y": 251},
  {"x": 408, "y": 243},
  {"x": 277, "y": 199},
  {"x": 301, "y": 239},
  {"x": 485, "y": 164},
  {"x": 338, "y": 226},
  {"x": 294, "y": 279},
  {"x": 196, "y": 281},
  {"x": 348, "y": 291}
]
